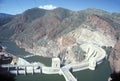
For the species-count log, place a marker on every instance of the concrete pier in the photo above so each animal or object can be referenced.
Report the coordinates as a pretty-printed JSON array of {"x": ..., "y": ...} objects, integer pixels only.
[{"x": 23, "y": 69}]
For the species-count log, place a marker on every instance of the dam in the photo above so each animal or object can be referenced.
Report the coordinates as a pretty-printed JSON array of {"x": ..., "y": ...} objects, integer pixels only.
[{"x": 92, "y": 58}]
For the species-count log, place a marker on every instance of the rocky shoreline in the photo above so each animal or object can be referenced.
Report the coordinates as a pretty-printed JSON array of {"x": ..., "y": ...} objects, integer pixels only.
[{"x": 5, "y": 57}]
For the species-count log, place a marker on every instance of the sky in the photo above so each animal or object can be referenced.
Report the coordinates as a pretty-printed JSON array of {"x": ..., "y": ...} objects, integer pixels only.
[{"x": 19, "y": 6}]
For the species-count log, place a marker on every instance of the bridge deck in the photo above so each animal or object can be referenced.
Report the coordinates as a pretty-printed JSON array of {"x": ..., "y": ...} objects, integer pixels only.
[
  {"x": 67, "y": 74},
  {"x": 10, "y": 65}
]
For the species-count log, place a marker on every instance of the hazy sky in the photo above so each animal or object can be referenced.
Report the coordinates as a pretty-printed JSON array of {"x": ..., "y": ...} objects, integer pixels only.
[{"x": 18, "y": 6}]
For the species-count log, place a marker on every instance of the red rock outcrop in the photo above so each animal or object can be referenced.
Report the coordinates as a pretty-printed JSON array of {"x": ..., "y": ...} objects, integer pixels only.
[{"x": 101, "y": 25}]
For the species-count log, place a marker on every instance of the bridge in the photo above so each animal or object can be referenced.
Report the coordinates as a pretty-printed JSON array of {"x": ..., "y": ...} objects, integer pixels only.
[
  {"x": 23, "y": 69},
  {"x": 67, "y": 74}
]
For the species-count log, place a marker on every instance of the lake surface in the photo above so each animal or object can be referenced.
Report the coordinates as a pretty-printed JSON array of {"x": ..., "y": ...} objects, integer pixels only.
[
  {"x": 20, "y": 52},
  {"x": 101, "y": 73}
]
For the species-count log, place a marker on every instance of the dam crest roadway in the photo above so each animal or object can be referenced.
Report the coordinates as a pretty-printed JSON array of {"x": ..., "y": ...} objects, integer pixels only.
[{"x": 94, "y": 55}]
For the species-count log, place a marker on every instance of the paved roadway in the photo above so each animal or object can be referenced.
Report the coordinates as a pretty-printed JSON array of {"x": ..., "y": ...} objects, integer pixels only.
[{"x": 68, "y": 75}]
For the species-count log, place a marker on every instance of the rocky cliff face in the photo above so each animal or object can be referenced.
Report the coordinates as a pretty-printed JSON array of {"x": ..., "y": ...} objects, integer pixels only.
[
  {"x": 60, "y": 32},
  {"x": 115, "y": 58}
]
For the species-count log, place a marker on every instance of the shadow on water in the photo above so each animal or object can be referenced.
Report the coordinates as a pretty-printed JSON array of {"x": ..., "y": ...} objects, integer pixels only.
[
  {"x": 115, "y": 76},
  {"x": 5, "y": 75}
]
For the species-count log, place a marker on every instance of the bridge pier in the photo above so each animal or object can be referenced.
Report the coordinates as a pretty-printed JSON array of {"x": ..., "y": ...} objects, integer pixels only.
[
  {"x": 8, "y": 69},
  {"x": 25, "y": 70},
  {"x": 41, "y": 70},
  {"x": 17, "y": 70},
  {"x": 33, "y": 70}
]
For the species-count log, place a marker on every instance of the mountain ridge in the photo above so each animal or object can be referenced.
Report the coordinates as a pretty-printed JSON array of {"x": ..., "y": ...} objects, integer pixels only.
[
  {"x": 59, "y": 32},
  {"x": 5, "y": 18}
]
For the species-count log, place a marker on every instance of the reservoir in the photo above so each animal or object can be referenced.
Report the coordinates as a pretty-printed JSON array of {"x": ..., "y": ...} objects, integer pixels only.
[{"x": 101, "y": 73}]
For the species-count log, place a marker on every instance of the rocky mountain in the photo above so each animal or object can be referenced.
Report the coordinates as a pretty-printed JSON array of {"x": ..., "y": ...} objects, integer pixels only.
[
  {"x": 60, "y": 32},
  {"x": 5, "y": 18}
]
